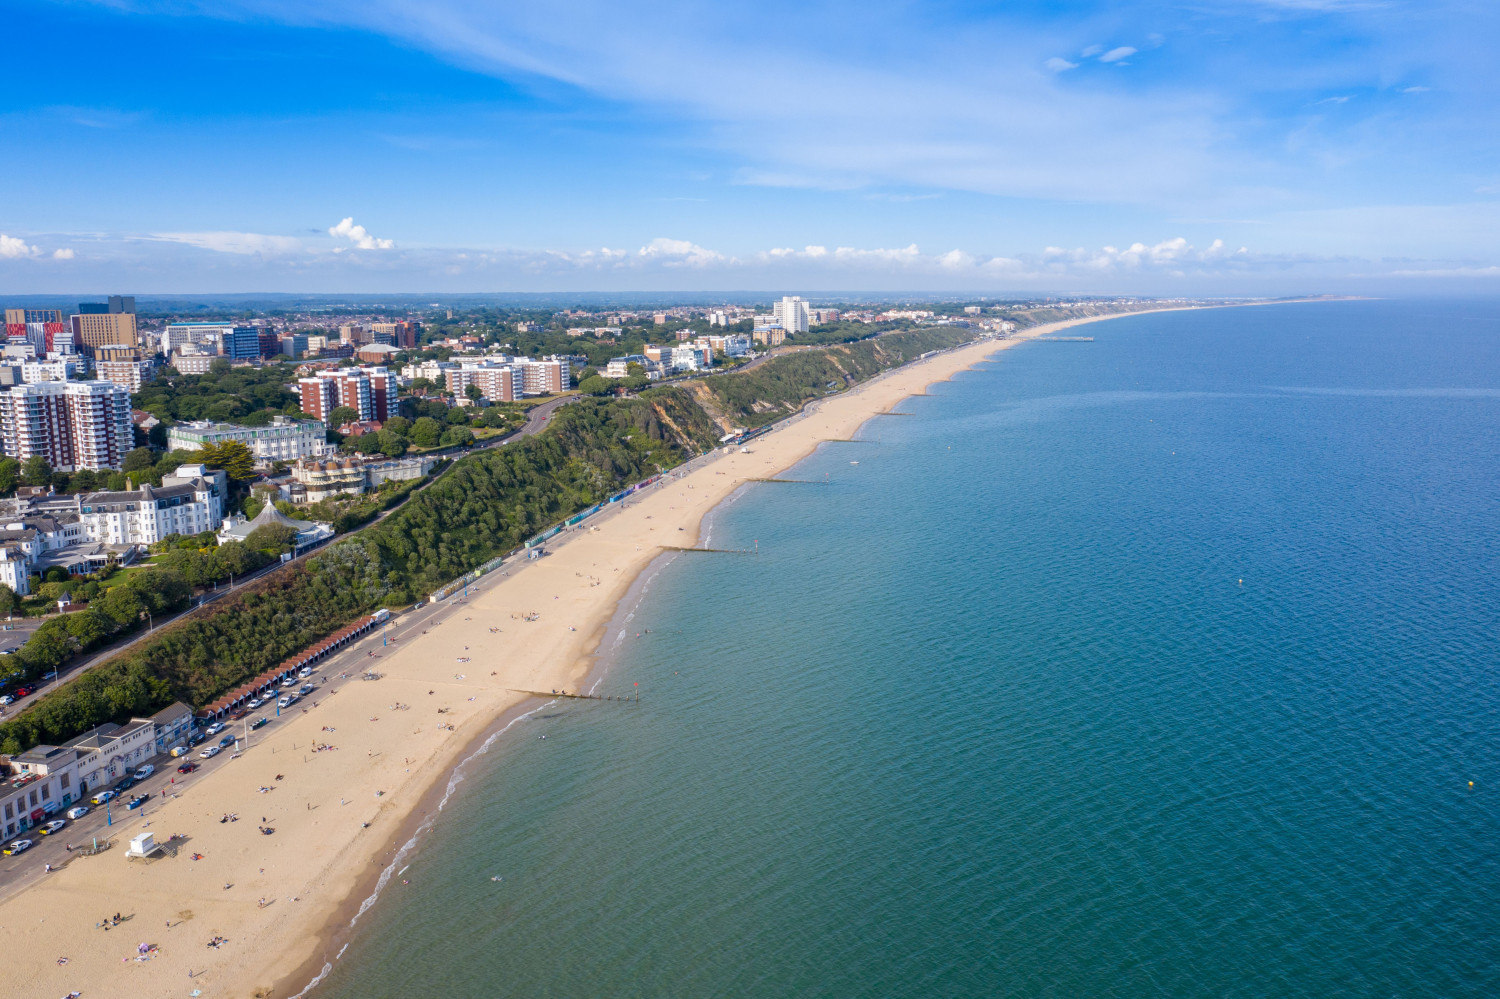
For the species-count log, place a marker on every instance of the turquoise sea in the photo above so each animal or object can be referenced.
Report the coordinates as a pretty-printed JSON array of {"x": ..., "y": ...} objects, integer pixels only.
[{"x": 1153, "y": 666}]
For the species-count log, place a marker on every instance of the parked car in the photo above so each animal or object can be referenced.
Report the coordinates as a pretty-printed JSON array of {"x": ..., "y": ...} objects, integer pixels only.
[
  {"x": 239, "y": 713},
  {"x": 104, "y": 796},
  {"x": 19, "y": 846},
  {"x": 288, "y": 700},
  {"x": 186, "y": 767},
  {"x": 306, "y": 689},
  {"x": 226, "y": 742},
  {"x": 262, "y": 720},
  {"x": 305, "y": 672},
  {"x": 255, "y": 702},
  {"x": 178, "y": 751},
  {"x": 214, "y": 729},
  {"x": 138, "y": 801},
  {"x": 52, "y": 827},
  {"x": 125, "y": 784},
  {"x": 7, "y": 699},
  {"x": 210, "y": 752},
  {"x": 196, "y": 738},
  {"x": 144, "y": 770},
  {"x": 290, "y": 681},
  {"x": 78, "y": 811}
]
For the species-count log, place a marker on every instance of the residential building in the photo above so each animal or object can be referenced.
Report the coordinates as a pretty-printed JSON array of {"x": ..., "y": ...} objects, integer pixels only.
[
  {"x": 525, "y": 327},
  {"x": 771, "y": 336},
  {"x": 52, "y": 371},
  {"x": 403, "y": 335},
  {"x": 433, "y": 371},
  {"x": 354, "y": 333},
  {"x": 659, "y": 318},
  {"x": 496, "y": 382},
  {"x": 618, "y": 367},
  {"x": 90, "y": 331},
  {"x": 820, "y": 316},
  {"x": 192, "y": 364},
  {"x": 285, "y": 439},
  {"x": 371, "y": 392},
  {"x": 548, "y": 376},
  {"x": 129, "y": 374},
  {"x": 73, "y": 425},
  {"x": 187, "y": 503},
  {"x": 180, "y": 334},
  {"x": 23, "y": 316},
  {"x": 685, "y": 358},
  {"x": 791, "y": 314}
]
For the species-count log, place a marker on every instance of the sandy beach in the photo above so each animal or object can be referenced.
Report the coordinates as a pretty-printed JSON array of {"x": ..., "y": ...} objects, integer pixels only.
[{"x": 341, "y": 813}]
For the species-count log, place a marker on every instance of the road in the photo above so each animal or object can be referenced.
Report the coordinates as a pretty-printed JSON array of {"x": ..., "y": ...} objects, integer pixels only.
[{"x": 537, "y": 419}]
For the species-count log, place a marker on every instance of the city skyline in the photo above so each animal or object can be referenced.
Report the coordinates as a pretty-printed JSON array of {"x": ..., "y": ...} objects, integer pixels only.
[{"x": 1262, "y": 147}]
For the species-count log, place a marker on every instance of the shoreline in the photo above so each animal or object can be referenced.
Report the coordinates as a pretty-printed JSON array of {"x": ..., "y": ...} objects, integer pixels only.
[{"x": 328, "y": 867}]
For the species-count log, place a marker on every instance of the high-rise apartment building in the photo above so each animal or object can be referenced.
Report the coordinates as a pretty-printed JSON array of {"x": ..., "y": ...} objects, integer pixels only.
[
  {"x": 497, "y": 383},
  {"x": 792, "y": 313},
  {"x": 130, "y": 375},
  {"x": 72, "y": 425},
  {"x": 371, "y": 392},
  {"x": 23, "y": 316},
  {"x": 92, "y": 330},
  {"x": 402, "y": 334}
]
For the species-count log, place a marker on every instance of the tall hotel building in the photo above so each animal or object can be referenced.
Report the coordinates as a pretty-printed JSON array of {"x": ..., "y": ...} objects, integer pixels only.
[
  {"x": 92, "y": 330},
  {"x": 73, "y": 425}
]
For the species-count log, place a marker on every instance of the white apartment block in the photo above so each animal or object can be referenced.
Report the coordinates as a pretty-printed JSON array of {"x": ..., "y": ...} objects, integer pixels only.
[
  {"x": 187, "y": 503},
  {"x": 130, "y": 375},
  {"x": 73, "y": 425},
  {"x": 792, "y": 314},
  {"x": 496, "y": 382},
  {"x": 285, "y": 439}
]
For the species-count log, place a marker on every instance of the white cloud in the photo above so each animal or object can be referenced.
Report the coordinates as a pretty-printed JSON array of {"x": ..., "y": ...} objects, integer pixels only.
[
  {"x": 1451, "y": 272},
  {"x": 64, "y": 254},
  {"x": 1334, "y": 100},
  {"x": 15, "y": 248},
  {"x": 358, "y": 235},
  {"x": 1059, "y": 65},
  {"x": 680, "y": 252},
  {"x": 1415, "y": 90},
  {"x": 1115, "y": 55},
  {"x": 1091, "y": 51},
  {"x": 239, "y": 243}
]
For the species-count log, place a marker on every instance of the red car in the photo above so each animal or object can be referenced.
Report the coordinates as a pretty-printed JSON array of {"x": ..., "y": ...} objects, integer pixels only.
[
  {"x": 23, "y": 691},
  {"x": 187, "y": 768}
]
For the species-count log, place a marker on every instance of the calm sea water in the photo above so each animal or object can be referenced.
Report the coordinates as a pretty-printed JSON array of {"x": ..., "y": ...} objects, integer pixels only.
[{"x": 1153, "y": 666}]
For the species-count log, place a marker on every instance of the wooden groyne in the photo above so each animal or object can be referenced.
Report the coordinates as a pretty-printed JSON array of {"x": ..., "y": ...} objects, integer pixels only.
[
  {"x": 801, "y": 482},
  {"x": 577, "y": 697},
  {"x": 719, "y": 551},
  {"x": 1064, "y": 339}
]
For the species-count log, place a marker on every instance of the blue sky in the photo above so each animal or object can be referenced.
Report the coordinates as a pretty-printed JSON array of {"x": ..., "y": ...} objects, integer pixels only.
[{"x": 1195, "y": 147}]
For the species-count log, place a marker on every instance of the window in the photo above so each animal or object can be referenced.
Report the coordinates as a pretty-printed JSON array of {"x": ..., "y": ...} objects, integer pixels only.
[
  {"x": 67, "y": 780},
  {"x": 46, "y": 793}
]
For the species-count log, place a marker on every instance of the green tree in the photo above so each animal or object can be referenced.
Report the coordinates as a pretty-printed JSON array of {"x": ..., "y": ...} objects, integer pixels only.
[
  {"x": 398, "y": 425},
  {"x": 35, "y": 471},
  {"x": 234, "y": 457},
  {"x": 138, "y": 459},
  {"x": 392, "y": 445},
  {"x": 473, "y": 392},
  {"x": 272, "y": 539},
  {"x": 342, "y": 415},
  {"x": 8, "y": 600},
  {"x": 10, "y": 475},
  {"x": 426, "y": 431},
  {"x": 455, "y": 436}
]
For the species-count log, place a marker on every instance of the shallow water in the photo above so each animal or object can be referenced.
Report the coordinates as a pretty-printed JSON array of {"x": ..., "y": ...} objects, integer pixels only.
[{"x": 1152, "y": 666}]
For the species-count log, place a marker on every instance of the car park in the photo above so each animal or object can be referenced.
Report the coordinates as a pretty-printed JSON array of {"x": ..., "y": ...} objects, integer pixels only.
[
  {"x": 214, "y": 729},
  {"x": 187, "y": 767},
  {"x": 51, "y": 827},
  {"x": 210, "y": 752},
  {"x": 19, "y": 846},
  {"x": 78, "y": 811},
  {"x": 138, "y": 801},
  {"x": 144, "y": 770},
  {"x": 104, "y": 796}
]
